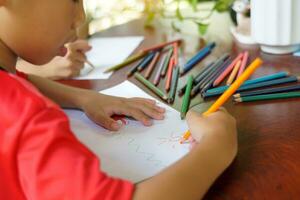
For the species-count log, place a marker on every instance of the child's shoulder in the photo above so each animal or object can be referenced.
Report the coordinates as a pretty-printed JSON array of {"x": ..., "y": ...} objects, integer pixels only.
[{"x": 20, "y": 99}]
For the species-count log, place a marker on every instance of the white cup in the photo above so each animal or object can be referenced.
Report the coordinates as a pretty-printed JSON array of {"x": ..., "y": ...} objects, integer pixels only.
[{"x": 276, "y": 25}]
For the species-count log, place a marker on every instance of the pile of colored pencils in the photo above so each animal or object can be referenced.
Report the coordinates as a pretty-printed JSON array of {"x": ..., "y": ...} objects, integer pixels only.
[{"x": 161, "y": 61}]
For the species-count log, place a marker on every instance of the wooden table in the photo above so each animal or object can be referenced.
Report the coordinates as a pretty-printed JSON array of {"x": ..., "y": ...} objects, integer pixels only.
[{"x": 268, "y": 162}]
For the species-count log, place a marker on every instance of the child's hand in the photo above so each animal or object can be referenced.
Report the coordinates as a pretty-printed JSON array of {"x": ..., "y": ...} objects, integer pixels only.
[
  {"x": 218, "y": 127},
  {"x": 100, "y": 108},
  {"x": 71, "y": 63}
]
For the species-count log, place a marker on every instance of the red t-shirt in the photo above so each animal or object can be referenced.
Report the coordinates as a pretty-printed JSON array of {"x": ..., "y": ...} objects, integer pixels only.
[{"x": 40, "y": 158}]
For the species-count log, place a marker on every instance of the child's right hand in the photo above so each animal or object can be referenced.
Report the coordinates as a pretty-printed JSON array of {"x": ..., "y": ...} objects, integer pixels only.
[
  {"x": 70, "y": 64},
  {"x": 219, "y": 128}
]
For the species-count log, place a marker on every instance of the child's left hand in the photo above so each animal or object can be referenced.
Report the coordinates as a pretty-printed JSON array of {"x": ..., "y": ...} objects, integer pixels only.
[{"x": 100, "y": 108}]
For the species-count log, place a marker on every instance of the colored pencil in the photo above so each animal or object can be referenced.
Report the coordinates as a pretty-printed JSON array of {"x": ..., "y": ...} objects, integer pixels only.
[
  {"x": 175, "y": 55},
  {"x": 149, "y": 85},
  {"x": 90, "y": 64},
  {"x": 162, "y": 45},
  {"x": 186, "y": 99},
  {"x": 135, "y": 68},
  {"x": 174, "y": 85},
  {"x": 197, "y": 58},
  {"x": 126, "y": 62},
  {"x": 198, "y": 77},
  {"x": 152, "y": 65},
  {"x": 283, "y": 95},
  {"x": 147, "y": 62},
  {"x": 166, "y": 63},
  {"x": 290, "y": 79},
  {"x": 214, "y": 69},
  {"x": 157, "y": 75},
  {"x": 244, "y": 63},
  {"x": 210, "y": 82},
  {"x": 288, "y": 88},
  {"x": 228, "y": 70},
  {"x": 252, "y": 81},
  {"x": 234, "y": 72},
  {"x": 169, "y": 74},
  {"x": 222, "y": 99},
  {"x": 210, "y": 46}
]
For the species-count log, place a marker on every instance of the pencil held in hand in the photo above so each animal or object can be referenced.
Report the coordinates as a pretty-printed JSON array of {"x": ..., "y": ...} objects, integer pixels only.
[{"x": 227, "y": 94}]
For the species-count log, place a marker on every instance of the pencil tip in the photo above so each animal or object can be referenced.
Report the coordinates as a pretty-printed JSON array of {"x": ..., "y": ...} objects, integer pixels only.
[
  {"x": 237, "y": 95},
  {"x": 238, "y": 100}
]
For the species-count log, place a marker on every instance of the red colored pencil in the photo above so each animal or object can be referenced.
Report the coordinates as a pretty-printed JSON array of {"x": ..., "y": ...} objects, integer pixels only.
[
  {"x": 227, "y": 70},
  {"x": 161, "y": 45},
  {"x": 152, "y": 65},
  {"x": 244, "y": 63},
  {"x": 169, "y": 74}
]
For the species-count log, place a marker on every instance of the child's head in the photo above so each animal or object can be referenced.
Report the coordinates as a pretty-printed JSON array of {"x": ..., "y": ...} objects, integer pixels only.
[{"x": 36, "y": 30}]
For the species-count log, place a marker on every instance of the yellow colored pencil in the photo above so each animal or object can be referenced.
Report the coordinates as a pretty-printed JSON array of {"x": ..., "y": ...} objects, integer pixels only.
[
  {"x": 227, "y": 94},
  {"x": 234, "y": 72}
]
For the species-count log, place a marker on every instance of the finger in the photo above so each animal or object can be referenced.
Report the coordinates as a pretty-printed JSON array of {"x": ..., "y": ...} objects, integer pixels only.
[
  {"x": 136, "y": 114},
  {"x": 193, "y": 116},
  {"x": 106, "y": 121},
  {"x": 77, "y": 66},
  {"x": 150, "y": 110},
  {"x": 223, "y": 109},
  {"x": 79, "y": 45},
  {"x": 150, "y": 103},
  {"x": 76, "y": 56}
]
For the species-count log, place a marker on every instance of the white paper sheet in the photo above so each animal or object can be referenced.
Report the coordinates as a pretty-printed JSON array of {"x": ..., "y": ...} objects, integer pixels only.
[
  {"x": 107, "y": 52},
  {"x": 135, "y": 152}
]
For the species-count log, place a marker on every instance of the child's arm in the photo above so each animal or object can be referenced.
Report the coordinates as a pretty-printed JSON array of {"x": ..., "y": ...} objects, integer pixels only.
[
  {"x": 191, "y": 177},
  {"x": 60, "y": 67},
  {"x": 97, "y": 106}
]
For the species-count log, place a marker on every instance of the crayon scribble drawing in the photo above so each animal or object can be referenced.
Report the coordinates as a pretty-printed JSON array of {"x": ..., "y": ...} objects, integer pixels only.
[{"x": 171, "y": 140}]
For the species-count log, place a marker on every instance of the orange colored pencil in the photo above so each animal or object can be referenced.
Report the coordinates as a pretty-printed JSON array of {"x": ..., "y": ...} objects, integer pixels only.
[
  {"x": 169, "y": 74},
  {"x": 152, "y": 65},
  {"x": 234, "y": 72},
  {"x": 229, "y": 92},
  {"x": 161, "y": 45},
  {"x": 227, "y": 70},
  {"x": 244, "y": 63}
]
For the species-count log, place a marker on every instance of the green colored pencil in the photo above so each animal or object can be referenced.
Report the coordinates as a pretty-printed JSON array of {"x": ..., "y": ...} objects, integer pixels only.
[
  {"x": 126, "y": 62},
  {"x": 166, "y": 62},
  {"x": 186, "y": 98},
  {"x": 175, "y": 76},
  {"x": 152, "y": 87},
  {"x": 283, "y": 95}
]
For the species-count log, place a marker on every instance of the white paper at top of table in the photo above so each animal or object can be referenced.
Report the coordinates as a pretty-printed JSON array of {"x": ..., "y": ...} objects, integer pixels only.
[
  {"x": 107, "y": 52},
  {"x": 135, "y": 152}
]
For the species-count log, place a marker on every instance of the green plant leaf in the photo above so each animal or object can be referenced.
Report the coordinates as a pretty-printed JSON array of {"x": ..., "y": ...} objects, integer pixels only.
[
  {"x": 202, "y": 28},
  {"x": 222, "y": 5},
  {"x": 179, "y": 15},
  {"x": 150, "y": 18},
  {"x": 194, "y": 4}
]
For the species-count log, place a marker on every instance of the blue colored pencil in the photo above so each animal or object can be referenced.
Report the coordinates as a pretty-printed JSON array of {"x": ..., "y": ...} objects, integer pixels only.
[
  {"x": 252, "y": 81},
  {"x": 258, "y": 85},
  {"x": 197, "y": 58},
  {"x": 146, "y": 61},
  {"x": 288, "y": 88}
]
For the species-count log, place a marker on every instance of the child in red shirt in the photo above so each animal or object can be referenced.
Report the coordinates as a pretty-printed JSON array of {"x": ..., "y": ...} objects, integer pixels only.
[{"x": 39, "y": 156}]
